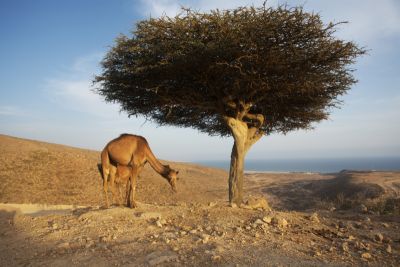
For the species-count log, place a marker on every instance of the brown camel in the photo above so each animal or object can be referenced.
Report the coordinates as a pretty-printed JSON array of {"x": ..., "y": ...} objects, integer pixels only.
[{"x": 133, "y": 151}]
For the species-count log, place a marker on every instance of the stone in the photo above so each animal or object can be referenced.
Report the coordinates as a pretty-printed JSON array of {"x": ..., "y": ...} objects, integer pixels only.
[
  {"x": 362, "y": 208},
  {"x": 386, "y": 225},
  {"x": 342, "y": 224},
  {"x": 216, "y": 258},
  {"x": 314, "y": 218},
  {"x": 389, "y": 249},
  {"x": 159, "y": 224},
  {"x": 63, "y": 245},
  {"x": 378, "y": 237},
  {"x": 351, "y": 238},
  {"x": 345, "y": 247},
  {"x": 280, "y": 222},
  {"x": 205, "y": 238},
  {"x": 267, "y": 219},
  {"x": 212, "y": 204},
  {"x": 149, "y": 215},
  {"x": 257, "y": 203},
  {"x": 366, "y": 256},
  {"x": 258, "y": 222},
  {"x": 233, "y": 205}
]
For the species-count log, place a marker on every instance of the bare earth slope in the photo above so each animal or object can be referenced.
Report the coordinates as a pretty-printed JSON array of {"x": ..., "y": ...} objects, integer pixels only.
[
  {"x": 345, "y": 219},
  {"x": 37, "y": 172}
]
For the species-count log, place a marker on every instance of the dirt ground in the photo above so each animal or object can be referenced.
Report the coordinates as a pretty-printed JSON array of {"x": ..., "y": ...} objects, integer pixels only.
[{"x": 345, "y": 219}]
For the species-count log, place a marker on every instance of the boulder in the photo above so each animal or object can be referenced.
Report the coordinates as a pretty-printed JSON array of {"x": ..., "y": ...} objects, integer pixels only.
[{"x": 257, "y": 203}]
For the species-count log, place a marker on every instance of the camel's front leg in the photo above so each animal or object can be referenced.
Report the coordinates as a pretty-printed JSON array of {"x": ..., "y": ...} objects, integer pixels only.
[
  {"x": 113, "y": 185},
  {"x": 132, "y": 187}
]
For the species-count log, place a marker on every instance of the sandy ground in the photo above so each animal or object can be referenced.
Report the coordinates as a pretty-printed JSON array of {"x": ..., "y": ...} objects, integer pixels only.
[{"x": 345, "y": 219}]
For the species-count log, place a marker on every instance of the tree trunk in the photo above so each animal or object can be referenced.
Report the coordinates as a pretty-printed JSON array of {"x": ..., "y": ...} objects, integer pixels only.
[
  {"x": 236, "y": 174},
  {"x": 244, "y": 138}
]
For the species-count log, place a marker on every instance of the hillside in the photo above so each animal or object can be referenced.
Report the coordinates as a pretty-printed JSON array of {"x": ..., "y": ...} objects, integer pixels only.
[
  {"x": 37, "y": 172},
  {"x": 345, "y": 219}
]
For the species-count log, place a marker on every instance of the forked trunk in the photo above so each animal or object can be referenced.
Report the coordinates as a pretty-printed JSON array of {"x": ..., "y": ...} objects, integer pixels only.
[{"x": 244, "y": 138}]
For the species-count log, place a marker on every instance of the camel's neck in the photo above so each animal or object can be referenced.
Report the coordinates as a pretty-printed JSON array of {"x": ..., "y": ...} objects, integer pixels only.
[{"x": 156, "y": 164}]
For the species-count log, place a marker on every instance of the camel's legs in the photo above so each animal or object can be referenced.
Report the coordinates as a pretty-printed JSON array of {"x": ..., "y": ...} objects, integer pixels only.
[
  {"x": 105, "y": 185},
  {"x": 119, "y": 195},
  {"x": 112, "y": 185},
  {"x": 133, "y": 179},
  {"x": 127, "y": 193}
]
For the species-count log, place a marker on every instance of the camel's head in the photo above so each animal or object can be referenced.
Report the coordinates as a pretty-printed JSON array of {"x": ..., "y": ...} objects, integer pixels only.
[{"x": 172, "y": 177}]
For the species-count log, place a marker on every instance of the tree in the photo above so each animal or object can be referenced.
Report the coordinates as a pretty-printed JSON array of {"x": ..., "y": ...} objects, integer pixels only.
[{"x": 246, "y": 72}]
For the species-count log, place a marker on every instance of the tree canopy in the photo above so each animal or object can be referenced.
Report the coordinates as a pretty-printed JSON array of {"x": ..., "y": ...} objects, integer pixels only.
[{"x": 195, "y": 68}]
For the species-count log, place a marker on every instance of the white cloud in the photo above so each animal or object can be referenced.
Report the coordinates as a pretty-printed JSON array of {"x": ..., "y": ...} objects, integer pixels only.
[
  {"x": 369, "y": 20},
  {"x": 157, "y": 8},
  {"x": 74, "y": 90}
]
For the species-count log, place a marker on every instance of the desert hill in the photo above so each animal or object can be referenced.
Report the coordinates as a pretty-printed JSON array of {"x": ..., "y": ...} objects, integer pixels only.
[
  {"x": 350, "y": 218},
  {"x": 38, "y": 172}
]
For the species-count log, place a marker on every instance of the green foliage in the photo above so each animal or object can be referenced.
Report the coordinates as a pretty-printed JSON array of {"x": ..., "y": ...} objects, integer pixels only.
[{"x": 277, "y": 69}]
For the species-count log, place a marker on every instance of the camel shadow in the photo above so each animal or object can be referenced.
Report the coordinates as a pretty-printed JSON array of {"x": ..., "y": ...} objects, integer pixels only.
[{"x": 323, "y": 193}]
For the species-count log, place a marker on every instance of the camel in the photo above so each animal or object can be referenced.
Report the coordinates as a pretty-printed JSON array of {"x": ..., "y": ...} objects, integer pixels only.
[{"x": 131, "y": 151}]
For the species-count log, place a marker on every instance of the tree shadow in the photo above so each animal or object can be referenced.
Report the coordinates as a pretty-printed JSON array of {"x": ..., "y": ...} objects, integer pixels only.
[{"x": 324, "y": 193}]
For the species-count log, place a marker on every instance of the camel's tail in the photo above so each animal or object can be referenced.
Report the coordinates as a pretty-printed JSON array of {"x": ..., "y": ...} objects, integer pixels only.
[{"x": 99, "y": 166}]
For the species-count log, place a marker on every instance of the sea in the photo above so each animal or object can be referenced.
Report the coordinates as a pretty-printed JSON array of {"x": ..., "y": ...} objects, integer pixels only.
[{"x": 315, "y": 165}]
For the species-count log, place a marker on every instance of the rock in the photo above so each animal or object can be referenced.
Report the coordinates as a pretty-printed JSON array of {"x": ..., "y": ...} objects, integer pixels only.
[
  {"x": 342, "y": 224},
  {"x": 257, "y": 203},
  {"x": 104, "y": 239},
  {"x": 258, "y": 222},
  {"x": 205, "y": 238},
  {"x": 149, "y": 215},
  {"x": 233, "y": 205},
  {"x": 159, "y": 257},
  {"x": 159, "y": 224},
  {"x": 63, "y": 245},
  {"x": 351, "y": 238},
  {"x": 366, "y": 256},
  {"x": 386, "y": 225},
  {"x": 345, "y": 247},
  {"x": 378, "y": 237},
  {"x": 267, "y": 219},
  {"x": 362, "y": 208},
  {"x": 389, "y": 249},
  {"x": 182, "y": 233},
  {"x": 54, "y": 226},
  {"x": 314, "y": 218},
  {"x": 216, "y": 258},
  {"x": 212, "y": 204},
  {"x": 317, "y": 254},
  {"x": 280, "y": 222}
]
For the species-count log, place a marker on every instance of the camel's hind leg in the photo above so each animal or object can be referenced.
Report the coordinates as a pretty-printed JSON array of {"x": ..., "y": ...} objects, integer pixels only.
[
  {"x": 106, "y": 173},
  {"x": 132, "y": 186}
]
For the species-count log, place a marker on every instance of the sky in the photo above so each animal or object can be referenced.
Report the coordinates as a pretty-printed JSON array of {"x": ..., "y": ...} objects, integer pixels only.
[{"x": 50, "y": 51}]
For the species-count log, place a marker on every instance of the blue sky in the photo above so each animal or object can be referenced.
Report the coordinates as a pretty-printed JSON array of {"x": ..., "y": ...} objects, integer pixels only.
[{"x": 50, "y": 52}]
